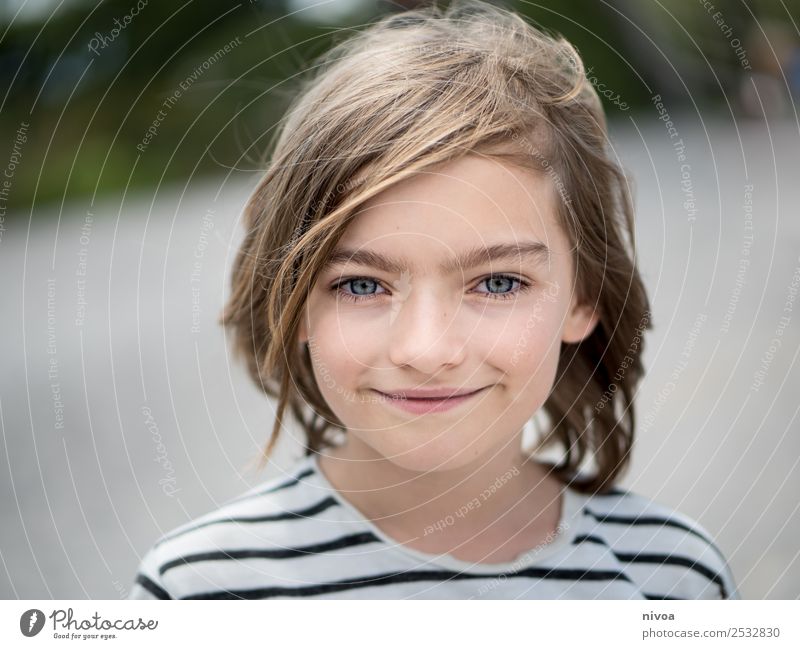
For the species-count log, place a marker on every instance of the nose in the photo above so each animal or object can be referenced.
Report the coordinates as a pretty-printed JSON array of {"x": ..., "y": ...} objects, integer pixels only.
[{"x": 425, "y": 332}]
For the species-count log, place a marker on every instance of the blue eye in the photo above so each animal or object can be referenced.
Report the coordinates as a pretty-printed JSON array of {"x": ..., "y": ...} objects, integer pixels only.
[
  {"x": 359, "y": 284},
  {"x": 500, "y": 281},
  {"x": 361, "y": 287}
]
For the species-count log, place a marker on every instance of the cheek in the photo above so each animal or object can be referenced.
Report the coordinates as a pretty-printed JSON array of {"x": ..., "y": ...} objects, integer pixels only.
[
  {"x": 526, "y": 340},
  {"x": 340, "y": 353}
]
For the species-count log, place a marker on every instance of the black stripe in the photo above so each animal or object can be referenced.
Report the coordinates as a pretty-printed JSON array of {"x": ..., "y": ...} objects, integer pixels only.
[
  {"x": 152, "y": 587},
  {"x": 291, "y": 482},
  {"x": 408, "y": 577},
  {"x": 613, "y": 492},
  {"x": 655, "y": 520},
  {"x": 317, "y": 508},
  {"x": 669, "y": 559},
  {"x": 278, "y": 553},
  {"x": 675, "y": 560},
  {"x": 659, "y": 596},
  {"x": 663, "y": 559},
  {"x": 573, "y": 574},
  {"x": 645, "y": 520}
]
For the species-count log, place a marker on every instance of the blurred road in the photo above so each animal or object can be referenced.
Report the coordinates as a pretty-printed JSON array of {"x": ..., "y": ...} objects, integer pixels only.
[{"x": 122, "y": 415}]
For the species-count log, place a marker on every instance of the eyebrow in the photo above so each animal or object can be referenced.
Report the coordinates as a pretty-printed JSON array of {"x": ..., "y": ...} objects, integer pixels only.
[{"x": 533, "y": 250}]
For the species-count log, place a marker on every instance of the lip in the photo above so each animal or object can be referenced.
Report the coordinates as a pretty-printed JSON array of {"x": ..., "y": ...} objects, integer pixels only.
[
  {"x": 431, "y": 393},
  {"x": 427, "y": 405}
]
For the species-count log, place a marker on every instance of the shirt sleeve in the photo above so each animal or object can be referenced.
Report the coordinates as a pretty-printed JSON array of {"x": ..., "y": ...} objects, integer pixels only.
[
  {"x": 708, "y": 554},
  {"x": 148, "y": 583},
  {"x": 730, "y": 590}
]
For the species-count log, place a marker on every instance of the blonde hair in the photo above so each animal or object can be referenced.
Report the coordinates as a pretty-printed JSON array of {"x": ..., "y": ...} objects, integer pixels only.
[{"x": 410, "y": 91}]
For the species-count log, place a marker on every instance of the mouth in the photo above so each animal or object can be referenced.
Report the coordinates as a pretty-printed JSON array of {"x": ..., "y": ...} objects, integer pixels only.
[{"x": 426, "y": 405}]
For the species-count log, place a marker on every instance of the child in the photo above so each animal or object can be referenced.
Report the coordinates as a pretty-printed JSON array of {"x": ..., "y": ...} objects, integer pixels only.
[{"x": 455, "y": 161}]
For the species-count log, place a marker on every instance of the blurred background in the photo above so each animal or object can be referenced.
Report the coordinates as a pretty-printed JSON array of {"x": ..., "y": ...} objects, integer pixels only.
[{"x": 132, "y": 134}]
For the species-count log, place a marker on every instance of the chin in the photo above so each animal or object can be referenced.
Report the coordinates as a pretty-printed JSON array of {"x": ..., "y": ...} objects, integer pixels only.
[{"x": 428, "y": 457}]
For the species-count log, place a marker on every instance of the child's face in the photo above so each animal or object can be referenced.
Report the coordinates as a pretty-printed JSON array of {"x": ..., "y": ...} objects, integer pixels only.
[{"x": 422, "y": 327}]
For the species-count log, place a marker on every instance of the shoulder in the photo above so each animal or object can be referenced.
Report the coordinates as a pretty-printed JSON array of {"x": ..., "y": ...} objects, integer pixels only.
[
  {"x": 263, "y": 522},
  {"x": 667, "y": 553},
  {"x": 287, "y": 497}
]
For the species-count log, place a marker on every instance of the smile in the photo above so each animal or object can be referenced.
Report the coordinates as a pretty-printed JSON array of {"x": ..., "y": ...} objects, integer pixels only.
[{"x": 427, "y": 406}]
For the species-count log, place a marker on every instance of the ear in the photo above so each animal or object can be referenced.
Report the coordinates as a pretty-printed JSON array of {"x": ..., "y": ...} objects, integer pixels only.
[{"x": 581, "y": 321}]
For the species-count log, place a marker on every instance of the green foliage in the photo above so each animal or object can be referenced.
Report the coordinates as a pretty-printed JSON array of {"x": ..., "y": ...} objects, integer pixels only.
[{"x": 92, "y": 80}]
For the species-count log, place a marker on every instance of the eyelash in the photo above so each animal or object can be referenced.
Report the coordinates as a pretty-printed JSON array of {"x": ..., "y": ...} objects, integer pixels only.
[{"x": 523, "y": 288}]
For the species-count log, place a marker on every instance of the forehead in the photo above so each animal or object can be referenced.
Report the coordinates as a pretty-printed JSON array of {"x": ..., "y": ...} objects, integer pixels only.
[{"x": 461, "y": 211}]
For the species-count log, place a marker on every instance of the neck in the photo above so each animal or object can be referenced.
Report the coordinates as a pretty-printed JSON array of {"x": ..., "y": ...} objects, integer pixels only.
[{"x": 501, "y": 503}]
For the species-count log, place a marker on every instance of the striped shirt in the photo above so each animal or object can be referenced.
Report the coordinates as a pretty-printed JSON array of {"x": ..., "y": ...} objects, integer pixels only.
[{"x": 296, "y": 536}]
